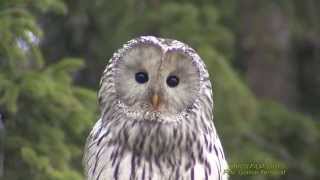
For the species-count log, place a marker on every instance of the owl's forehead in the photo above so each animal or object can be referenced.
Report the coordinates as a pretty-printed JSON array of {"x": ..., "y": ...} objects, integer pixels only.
[
  {"x": 166, "y": 45},
  {"x": 148, "y": 47}
]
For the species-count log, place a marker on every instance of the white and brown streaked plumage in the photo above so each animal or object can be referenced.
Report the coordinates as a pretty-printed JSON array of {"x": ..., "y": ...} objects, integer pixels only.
[{"x": 156, "y": 117}]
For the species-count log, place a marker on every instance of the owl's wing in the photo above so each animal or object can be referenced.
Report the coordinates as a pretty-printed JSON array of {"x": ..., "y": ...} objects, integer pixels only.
[
  {"x": 215, "y": 166},
  {"x": 93, "y": 145},
  {"x": 218, "y": 157}
]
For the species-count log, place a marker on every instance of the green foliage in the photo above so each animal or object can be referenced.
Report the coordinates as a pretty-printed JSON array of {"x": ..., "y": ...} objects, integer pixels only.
[
  {"x": 259, "y": 131},
  {"x": 294, "y": 139},
  {"x": 47, "y": 116}
]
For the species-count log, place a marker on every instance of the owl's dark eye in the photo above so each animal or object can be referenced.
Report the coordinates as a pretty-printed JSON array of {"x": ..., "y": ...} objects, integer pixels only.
[
  {"x": 172, "y": 81},
  {"x": 141, "y": 77}
]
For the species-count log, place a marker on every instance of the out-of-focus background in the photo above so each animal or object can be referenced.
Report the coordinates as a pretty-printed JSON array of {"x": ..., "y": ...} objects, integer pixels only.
[{"x": 263, "y": 57}]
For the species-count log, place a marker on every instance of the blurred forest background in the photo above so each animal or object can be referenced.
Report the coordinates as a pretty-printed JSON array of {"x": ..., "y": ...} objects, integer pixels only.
[{"x": 263, "y": 57}]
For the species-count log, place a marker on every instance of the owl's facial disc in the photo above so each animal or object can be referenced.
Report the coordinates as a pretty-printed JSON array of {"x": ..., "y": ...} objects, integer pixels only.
[
  {"x": 181, "y": 81},
  {"x": 151, "y": 80}
]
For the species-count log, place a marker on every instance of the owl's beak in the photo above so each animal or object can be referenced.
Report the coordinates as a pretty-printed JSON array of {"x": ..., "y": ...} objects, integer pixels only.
[{"x": 155, "y": 101}]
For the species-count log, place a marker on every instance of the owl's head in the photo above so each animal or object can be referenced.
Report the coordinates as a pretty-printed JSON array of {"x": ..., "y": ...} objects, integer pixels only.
[{"x": 153, "y": 75}]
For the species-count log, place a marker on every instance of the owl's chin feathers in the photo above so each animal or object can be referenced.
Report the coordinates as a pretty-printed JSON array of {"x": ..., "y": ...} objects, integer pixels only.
[
  {"x": 146, "y": 113},
  {"x": 150, "y": 133}
]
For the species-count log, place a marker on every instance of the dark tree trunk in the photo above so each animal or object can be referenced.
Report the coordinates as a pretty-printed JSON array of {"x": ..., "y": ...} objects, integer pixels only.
[{"x": 265, "y": 48}]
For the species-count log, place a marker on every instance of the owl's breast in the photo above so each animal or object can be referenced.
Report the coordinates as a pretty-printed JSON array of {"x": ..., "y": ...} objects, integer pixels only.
[
  {"x": 143, "y": 155},
  {"x": 114, "y": 163}
]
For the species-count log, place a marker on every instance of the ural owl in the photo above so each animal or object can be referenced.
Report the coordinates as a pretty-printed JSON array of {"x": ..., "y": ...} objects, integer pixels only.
[{"x": 156, "y": 117}]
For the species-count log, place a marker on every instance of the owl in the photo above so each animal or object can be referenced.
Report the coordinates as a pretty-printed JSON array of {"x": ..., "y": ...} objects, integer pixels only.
[{"x": 156, "y": 118}]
